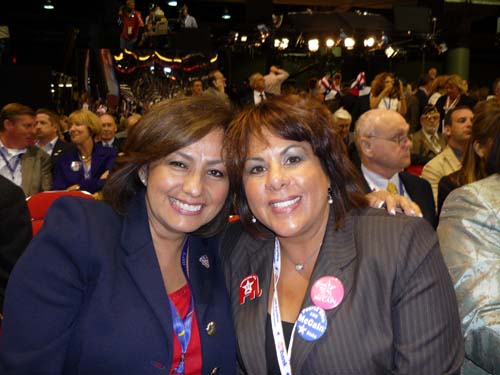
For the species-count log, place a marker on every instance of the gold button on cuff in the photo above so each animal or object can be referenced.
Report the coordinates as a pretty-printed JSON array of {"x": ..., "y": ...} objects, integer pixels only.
[{"x": 211, "y": 329}]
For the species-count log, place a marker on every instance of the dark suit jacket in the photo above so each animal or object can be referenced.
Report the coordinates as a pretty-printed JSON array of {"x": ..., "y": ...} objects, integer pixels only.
[
  {"x": 87, "y": 297},
  {"x": 36, "y": 171},
  {"x": 248, "y": 99},
  {"x": 15, "y": 229},
  {"x": 399, "y": 313},
  {"x": 102, "y": 161},
  {"x": 60, "y": 148},
  {"x": 118, "y": 143}
]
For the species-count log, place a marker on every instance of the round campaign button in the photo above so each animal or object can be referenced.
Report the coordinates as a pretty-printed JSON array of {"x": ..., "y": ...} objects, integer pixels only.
[
  {"x": 311, "y": 323},
  {"x": 327, "y": 292}
]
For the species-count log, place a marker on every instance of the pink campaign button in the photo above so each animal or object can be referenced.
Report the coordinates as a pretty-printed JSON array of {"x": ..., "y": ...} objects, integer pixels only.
[{"x": 327, "y": 292}]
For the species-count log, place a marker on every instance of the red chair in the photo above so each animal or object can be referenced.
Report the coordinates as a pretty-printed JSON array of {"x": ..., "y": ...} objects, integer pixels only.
[{"x": 39, "y": 203}]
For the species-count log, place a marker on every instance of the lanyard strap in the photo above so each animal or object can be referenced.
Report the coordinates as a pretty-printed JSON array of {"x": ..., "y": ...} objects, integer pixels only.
[
  {"x": 282, "y": 353},
  {"x": 11, "y": 168},
  {"x": 182, "y": 327},
  {"x": 86, "y": 171}
]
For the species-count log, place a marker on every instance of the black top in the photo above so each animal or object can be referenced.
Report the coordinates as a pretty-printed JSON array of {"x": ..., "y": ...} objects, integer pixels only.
[
  {"x": 445, "y": 186},
  {"x": 273, "y": 367}
]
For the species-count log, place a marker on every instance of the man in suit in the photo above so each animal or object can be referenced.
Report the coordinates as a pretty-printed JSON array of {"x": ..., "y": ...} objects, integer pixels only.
[
  {"x": 457, "y": 127},
  {"x": 21, "y": 162},
  {"x": 382, "y": 142},
  {"x": 427, "y": 142},
  {"x": 48, "y": 134},
  {"x": 109, "y": 129},
  {"x": 15, "y": 229},
  {"x": 257, "y": 95}
]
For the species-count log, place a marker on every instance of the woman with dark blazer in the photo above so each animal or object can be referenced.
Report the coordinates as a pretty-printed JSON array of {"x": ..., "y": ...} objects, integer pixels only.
[
  {"x": 319, "y": 283},
  {"x": 88, "y": 165},
  {"x": 132, "y": 284}
]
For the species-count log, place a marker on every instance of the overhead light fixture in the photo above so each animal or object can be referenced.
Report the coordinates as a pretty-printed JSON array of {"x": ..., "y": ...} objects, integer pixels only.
[
  {"x": 369, "y": 42},
  {"x": 172, "y": 3},
  {"x": 48, "y": 5},
  {"x": 277, "y": 43},
  {"x": 330, "y": 42},
  {"x": 243, "y": 38},
  {"x": 442, "y": 48},
  {"x": 349, "y": 43},
  {"x": 226, "y": 15},
  {"x": 313, "y": 45}
]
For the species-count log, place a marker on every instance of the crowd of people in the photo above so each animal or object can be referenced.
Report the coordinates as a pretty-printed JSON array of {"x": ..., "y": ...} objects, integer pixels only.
[{"x": 152, "y": 275}]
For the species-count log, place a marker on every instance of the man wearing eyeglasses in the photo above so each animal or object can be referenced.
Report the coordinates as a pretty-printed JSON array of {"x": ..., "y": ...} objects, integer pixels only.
[
  {"x": 383, "y": 145},
  {"x": 427, "y": 142}
]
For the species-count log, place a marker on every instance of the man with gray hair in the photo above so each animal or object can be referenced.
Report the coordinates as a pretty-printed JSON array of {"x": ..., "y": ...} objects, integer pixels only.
[
  {"x": 258, "y": 93},
  {"x": 383, "y": 145}
]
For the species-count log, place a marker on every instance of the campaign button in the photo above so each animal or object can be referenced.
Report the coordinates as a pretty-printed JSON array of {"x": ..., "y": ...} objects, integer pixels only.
[
  {"x": 327, "y": 292},
  {"x": 311, "y": 323}
]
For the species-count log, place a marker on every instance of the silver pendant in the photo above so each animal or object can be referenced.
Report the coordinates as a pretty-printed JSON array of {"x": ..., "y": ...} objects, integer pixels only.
[
  {"x": 299, "y": 267},
  {"x": 75, "y": 166}
]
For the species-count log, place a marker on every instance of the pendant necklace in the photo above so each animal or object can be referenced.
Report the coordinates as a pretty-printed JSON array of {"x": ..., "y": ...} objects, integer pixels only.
[{"x": 299, "y": 266}]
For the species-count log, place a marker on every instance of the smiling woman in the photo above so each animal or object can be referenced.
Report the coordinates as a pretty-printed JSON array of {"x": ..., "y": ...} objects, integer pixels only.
[{"x": 135, "y": 274}]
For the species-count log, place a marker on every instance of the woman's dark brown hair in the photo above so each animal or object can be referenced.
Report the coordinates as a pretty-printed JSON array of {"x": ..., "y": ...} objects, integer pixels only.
[
  {"x": 167, "y": 127},
  {"x": 300, "y": 119}
]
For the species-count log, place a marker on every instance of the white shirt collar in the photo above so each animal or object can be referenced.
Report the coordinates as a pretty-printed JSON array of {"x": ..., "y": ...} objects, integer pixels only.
[{"x": 378, "y": 182}]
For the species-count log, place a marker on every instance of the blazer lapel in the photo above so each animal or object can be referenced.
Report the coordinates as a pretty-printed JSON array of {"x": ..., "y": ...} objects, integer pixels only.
[
  {"x": 142, "y": 264},
  {"x": 27, "y": 171},
  {"x": 335, "y": 259},
  {"x": 251, "y": 316}
]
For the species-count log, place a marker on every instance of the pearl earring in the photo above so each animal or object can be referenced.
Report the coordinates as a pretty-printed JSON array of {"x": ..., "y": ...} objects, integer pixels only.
[
  {"x": 254, "y": 220},
  {"x": 142, "y": 176},
  {"x": 330, "y": 198}
]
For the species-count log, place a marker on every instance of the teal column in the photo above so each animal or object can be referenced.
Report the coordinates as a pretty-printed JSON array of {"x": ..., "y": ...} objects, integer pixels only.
[{"x": 458, "y": 61}]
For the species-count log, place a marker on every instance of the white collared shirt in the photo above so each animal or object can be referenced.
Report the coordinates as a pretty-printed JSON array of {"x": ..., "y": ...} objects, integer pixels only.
[
  {"x": 49, "y": 147},
  {"x": 13, "y": 156},
  {"x": 256, "y": 96},
  {"x": 108, "y": 143},
  {"x": 377, "y": 182}
]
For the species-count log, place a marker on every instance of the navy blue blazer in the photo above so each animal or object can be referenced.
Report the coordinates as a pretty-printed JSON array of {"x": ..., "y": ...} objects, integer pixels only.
[
  {"x": 88, "y": 297},
  {"x": 65, "y": 176}
]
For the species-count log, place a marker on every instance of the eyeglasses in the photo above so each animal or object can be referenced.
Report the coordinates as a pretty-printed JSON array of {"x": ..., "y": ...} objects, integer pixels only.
[{"x": 399, "y": 139}]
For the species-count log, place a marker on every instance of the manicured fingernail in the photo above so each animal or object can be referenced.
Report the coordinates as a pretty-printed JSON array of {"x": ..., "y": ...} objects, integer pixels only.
[{"x": 392, "y": 212}]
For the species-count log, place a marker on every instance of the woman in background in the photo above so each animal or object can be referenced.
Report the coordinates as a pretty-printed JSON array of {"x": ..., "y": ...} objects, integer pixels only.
[
  {"x": 387, "y": 93},
  {"x": 87, "y": 167}
]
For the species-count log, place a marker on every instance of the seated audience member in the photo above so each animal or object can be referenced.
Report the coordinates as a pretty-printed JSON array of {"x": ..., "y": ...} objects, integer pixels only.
[
  {"x": 217, "y": 85},
  {"x": 457, "y": 128},
  {"x": 387, "y": 93},
  {"x": 108, "y": 135},
  {"x": 427, "y": 142},
  {"x": 383, "y": 146},
  {"x": 469, "y": 235},
  {"x": 484, "y": 127},
  {"x": 455, "y": 96},
  {"x": 21, "y": 162},
  {"x": 197, "y": 87},
  {"x": 274, "y": 79},
  {"x": 48, "y": 134},
  {"x": 437, "y": 89},
  {"x": 342, "y": 121},
  {"x": 88, "y": 166},
  {"x": 419, "y": 99},
  {"x": 128, "y": 123},
  {"x": 257, "y": 93},
  {"x": 15, "y": 230}
]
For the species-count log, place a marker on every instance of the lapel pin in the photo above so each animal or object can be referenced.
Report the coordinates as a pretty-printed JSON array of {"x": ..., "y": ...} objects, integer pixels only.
[
  {"x": 204, "y": 261},
  {"x": 249, "y": 288}
]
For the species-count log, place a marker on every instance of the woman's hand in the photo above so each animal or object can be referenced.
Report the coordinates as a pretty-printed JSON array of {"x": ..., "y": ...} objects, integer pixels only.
[{"x": 392, "y": 202}]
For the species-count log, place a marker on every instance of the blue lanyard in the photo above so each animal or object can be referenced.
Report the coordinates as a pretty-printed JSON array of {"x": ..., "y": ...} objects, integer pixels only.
[
  {"x": 182, "y": 327},
  {"x": 11, "y": 168}
]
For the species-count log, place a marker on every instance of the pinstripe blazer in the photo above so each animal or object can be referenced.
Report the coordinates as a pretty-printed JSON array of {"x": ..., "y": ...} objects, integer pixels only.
[
  {"x": 399, "y": 313},
  {"x": 36, "y": 171}
]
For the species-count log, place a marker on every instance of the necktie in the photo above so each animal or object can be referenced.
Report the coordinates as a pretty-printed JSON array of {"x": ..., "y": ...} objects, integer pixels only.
[
  {"x": 262, "y": 97},
  {"x": 391, "y": 188}
]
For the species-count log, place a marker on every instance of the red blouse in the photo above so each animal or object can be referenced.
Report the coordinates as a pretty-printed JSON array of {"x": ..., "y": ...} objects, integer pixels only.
[{"x": 193, "y": 360}]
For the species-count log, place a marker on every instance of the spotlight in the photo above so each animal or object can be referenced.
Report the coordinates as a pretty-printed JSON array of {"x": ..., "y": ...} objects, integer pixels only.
[
  {"x": 369, "y": 42},
  {"x": 284, "y": 43},
  {"x": 313, "y": 45},
  {"x": 277, "y": 43},
  {"x": 172, "y": 3},
  {"x": 226, "y": 15},
  {"x": 349, "y": 43},
  {"x": 391, "y": 52},
  {"x": 442, "y": 48},
  {"x": 330, "y": 42},
  {"x": 48, "y": 5},
  {"x": 243, "y": 38}
]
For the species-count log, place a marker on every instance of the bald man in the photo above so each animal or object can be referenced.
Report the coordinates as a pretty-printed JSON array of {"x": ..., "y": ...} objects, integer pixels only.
[{"x": 382, "y": 142}]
